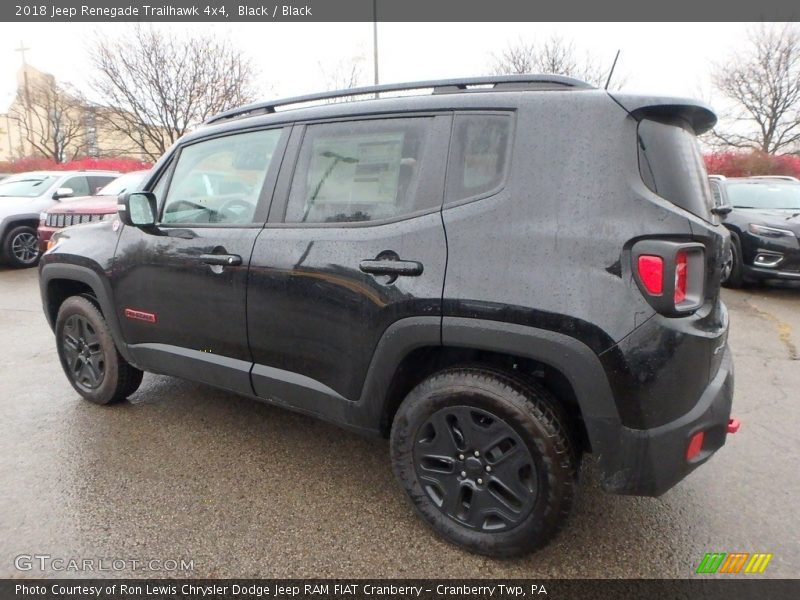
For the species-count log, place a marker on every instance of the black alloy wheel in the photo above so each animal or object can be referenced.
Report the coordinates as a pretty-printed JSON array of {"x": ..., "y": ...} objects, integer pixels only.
[
  {"x": 83, "y": 353},
  {"x": 488, "y": 459},
  {"x": 89, "y": 356},
  {"x": 475, "y": 468}
]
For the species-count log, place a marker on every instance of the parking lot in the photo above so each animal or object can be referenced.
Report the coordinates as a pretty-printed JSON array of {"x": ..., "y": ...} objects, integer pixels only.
[{"x": 243, "y": 489}]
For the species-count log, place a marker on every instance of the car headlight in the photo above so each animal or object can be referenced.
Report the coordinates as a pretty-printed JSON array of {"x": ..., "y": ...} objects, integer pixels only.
[
  {"x": 109, "y": 217},
  {"x": 43, "y": 216},
  {"x": 772, "y": 232}
]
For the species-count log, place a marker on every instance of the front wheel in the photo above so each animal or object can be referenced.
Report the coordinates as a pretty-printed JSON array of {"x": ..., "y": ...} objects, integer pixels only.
[
  {"x": 21, "y": 247},
  {"x": 89, "y": 356},
  {"x": 732, "y": 276},
  {"x": 487, "y": 460}
]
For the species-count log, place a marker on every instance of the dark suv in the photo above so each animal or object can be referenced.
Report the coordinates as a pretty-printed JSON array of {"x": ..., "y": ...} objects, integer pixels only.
[
  {"x": 500, "y": 276},
  {"x": 763, "y": 216}
]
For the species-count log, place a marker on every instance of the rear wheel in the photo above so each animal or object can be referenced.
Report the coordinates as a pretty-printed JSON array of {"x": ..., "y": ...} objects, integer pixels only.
[
  {"x": 89, "y": 356},
  {"x": 21, "y": 247},
  {"x": 486, "y": 460}
]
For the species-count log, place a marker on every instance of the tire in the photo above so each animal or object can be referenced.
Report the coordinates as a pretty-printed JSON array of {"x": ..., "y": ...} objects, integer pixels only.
[
  {"x": 515, "y": 494},
  {"x": 735, "y": 278},
  {"x": 21, "y": 247},
  {"x": 88, "y": 355}
]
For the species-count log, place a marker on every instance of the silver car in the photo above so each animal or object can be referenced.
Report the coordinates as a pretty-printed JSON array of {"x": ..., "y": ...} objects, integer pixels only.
[{"x": 24, "y": 196}]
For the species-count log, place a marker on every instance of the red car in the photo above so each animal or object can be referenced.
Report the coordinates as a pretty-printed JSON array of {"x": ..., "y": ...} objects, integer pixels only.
[{"x": 87, "y": 209}]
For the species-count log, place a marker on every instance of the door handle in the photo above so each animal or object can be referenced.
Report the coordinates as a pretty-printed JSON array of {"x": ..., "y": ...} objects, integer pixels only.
[
  {"x": 378, "y": 266},
  {"x": 223, "y": 260}
]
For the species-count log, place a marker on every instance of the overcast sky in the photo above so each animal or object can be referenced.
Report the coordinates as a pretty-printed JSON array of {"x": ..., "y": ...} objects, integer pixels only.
[{"x": 663, "y": 58}]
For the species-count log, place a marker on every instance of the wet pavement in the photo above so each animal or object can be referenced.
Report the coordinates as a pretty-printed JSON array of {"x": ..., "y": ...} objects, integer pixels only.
[{"x": 242, "y": 489}]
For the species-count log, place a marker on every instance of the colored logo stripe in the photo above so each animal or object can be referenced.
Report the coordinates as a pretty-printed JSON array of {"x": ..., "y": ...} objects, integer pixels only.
[
  {"x": 758, "y": 563},
  {"x": 711, "y": 562},
  {"x": 733, "y": 562}
]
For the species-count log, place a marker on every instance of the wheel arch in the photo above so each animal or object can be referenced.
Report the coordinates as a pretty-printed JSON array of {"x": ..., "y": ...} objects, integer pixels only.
[
  {"x": 31, "y": 220},
  {"x": 565, "y": 366},
  {"x": 59, "y": 281}
]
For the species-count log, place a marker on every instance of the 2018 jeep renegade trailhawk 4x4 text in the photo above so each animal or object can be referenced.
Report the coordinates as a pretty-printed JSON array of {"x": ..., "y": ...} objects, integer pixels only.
[{"x": 500, "y": 276}]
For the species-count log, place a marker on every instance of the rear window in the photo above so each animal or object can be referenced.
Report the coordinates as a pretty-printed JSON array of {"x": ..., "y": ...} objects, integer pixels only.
[{"x": 672, "y": 166}]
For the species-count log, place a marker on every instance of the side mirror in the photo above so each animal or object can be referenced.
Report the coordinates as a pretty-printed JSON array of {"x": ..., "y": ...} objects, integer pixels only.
[
  {"x": 721, "y": 210},
  {"x": 138, "y": 209},
  {"x": 63, "y": 193}
]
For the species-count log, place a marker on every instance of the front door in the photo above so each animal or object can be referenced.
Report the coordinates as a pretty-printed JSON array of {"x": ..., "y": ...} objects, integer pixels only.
[
  {"x": 180, "y": 288},
  {"x": 354, "y": 243}
]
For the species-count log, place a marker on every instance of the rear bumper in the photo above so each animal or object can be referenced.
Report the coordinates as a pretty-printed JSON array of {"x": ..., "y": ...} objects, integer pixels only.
[{"x": 651, "y": 461}]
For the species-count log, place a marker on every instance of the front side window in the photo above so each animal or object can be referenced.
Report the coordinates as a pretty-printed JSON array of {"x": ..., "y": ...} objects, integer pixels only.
[
  {"x": 359, "y": 171},
  {"x": 478, "y": 155},
  {"x": 78, "y": 185},
  {"x": 219, "y": 180},
  {"x": 716, "y": 194}
]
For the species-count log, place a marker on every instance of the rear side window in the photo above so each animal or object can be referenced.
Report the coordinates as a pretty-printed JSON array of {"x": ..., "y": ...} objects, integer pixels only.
[
  {"x": 360, "y": 171},
  {"x": 671, "y": 165},
  {"x": 478, "y": 155}
]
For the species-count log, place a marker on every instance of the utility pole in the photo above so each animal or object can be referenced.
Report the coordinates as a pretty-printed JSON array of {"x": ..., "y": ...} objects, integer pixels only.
[{"x": 375, "y": 40}]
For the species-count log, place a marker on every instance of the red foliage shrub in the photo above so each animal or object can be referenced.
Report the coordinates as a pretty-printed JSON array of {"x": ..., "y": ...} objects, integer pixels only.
[
  {"x": 745, "y": 164},
  {"x": 36, "y": 163}
]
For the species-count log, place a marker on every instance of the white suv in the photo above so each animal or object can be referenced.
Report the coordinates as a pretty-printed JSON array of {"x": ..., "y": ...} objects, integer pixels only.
[{"x": 25, "y": 195}]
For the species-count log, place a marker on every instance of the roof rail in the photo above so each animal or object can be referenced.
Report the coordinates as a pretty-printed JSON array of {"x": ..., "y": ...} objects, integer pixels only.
[{"x": 439, "y": 86}]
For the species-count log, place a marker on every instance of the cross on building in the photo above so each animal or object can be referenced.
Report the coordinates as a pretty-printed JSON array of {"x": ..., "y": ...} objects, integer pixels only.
[{"x": 22, "y": 49}]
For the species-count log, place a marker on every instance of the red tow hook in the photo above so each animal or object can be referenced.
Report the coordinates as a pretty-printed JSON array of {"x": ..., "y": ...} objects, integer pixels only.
[{"x": 733, "y": 425}]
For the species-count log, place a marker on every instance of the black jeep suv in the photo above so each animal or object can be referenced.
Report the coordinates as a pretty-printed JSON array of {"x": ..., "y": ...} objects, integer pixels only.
[{"x": 500, "y": 276}]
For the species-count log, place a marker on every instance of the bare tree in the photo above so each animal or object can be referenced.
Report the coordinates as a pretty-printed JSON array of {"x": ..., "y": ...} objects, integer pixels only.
[
  {"x": 763, "y": 83},
  {"x": 50, "y": 117},
  {"x": 552, "y": 55},
  {"x": 343, "y": 75},
  {"x": 155, "y": 87}
]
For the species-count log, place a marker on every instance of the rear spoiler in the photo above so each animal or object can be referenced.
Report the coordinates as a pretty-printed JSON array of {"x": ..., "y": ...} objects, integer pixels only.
[{"x": 699, "y": 115}]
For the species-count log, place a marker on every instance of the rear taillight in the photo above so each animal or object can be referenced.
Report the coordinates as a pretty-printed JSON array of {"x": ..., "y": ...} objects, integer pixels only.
[
  {"x": 670, "y": 274},
  {"x": 651, "y": 271},
  {"x": 681, "y": 273},
  {"x": 695, "y": 445}
]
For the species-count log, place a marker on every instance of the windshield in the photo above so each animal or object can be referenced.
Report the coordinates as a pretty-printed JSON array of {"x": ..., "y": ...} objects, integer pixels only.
[
  {"x": 120, "y": 185},
  {"x": 27, "y": 186},
  {"x": 764, "y": 195}
]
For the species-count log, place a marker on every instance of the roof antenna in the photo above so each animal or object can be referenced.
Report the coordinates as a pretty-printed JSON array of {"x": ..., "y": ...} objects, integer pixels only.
[{"x": 611, "y": 72}]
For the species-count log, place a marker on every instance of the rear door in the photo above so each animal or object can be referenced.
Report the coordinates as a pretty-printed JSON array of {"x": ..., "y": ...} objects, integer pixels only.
[
  {"x": 354, "y": 243},
  {"x": 180, "y": 288}
]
